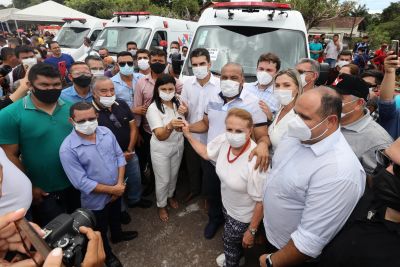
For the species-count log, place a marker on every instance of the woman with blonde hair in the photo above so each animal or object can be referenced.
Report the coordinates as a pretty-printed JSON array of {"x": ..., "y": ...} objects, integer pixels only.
[
  {"x": 241, "y": 184},
  {"x": 287, "y": 88}
]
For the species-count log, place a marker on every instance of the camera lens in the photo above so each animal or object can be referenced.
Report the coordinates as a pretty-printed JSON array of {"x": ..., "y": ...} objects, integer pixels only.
[{"x": 83, "y": 217}]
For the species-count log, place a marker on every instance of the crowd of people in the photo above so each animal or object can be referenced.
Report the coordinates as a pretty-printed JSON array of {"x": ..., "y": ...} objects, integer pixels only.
[{"x": 311, "y": 170}]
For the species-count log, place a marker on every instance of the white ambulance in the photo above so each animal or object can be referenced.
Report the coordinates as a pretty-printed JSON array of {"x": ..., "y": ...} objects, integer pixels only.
[
  {"x": 70, "y": 37},
  {"x": 241, "y": 31},
  {"x": 146, "y": 30}
]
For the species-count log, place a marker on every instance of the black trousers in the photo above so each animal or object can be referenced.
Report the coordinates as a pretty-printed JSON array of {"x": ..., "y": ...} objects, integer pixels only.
[
  {"x": 212, "y": 191},
  {"x": 56, "y": 203},
  {"x": 193, "y": 168},
  {"x": 109, "y": 217},
  {"x": 143, "y": 151}
]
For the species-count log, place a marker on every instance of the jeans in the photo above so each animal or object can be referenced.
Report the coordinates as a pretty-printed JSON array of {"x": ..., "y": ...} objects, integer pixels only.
[
  {"x": 109, "y": 216},
  {"x": 134, "y": 182},
  {"x": 64, "y": 201},
  {"x": 331, "y": 62},
  {"x": 212, "y": 191}
]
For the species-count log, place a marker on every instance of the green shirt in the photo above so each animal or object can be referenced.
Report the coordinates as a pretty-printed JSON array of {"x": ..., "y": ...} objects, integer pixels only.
[{"x": 39, "y": 136}]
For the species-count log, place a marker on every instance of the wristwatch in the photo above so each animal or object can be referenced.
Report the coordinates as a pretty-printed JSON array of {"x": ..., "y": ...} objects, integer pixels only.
[
  {"x": 268, "y": 260},
  {"x": 253, "y": 231}
]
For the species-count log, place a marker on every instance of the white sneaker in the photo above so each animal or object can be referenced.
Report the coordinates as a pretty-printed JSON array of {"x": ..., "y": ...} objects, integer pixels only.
[{"x": 221, "y": 260}]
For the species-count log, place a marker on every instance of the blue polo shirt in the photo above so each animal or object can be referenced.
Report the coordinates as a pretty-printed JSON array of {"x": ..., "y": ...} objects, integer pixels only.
[
  {"x": 266, "y": 95},
  {"x": 70, "y": 95},
  {"x": 315, "y": 47},
  {"x": 64, "y": 57},
  {"x": 122, "y": 90},
  {"x": 88, "y": 164}
]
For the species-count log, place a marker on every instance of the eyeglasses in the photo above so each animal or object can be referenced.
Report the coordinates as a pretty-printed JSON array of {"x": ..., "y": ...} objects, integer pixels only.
[
  {"x": 85, "y": 120},
  {"x": 122, "y": 64},
  {"x": 304, "y": 71},
  {"x": 115, "y": 121},
  {"x": 384, "y": 160}
]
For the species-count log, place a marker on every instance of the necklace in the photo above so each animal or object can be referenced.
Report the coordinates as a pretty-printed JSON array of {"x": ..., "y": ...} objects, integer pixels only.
[{"x": 240, "y": 153}]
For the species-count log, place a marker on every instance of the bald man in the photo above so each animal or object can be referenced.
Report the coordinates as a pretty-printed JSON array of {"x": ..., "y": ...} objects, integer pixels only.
[
  {"x": 314, "y": 183},
  {"x": 231, "y": 95}
]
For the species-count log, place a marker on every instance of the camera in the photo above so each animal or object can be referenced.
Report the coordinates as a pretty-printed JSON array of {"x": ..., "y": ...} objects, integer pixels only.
[{"x": 63, "y": 232}]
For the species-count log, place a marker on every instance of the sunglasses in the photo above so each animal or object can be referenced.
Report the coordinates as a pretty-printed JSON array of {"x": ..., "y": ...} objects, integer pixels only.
[
  {"x": 384, "y": 160},
  {"x": 122, "y": 64},
  {"x": 83, "y": 121}
]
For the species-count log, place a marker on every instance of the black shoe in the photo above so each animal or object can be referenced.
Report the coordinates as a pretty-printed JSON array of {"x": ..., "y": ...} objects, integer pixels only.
[
  {"x": 125, "y": 217},
  {"x": 113, "y": 261},
  {"x": 124, "y": 236},
  {"x": 211, "y": 229},
  {"x": 142, "y": 203}
]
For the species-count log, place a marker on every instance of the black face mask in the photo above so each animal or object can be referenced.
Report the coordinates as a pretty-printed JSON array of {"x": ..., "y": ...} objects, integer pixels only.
[
  {"x": 82, "y": 81},
  {"x": 49, "y": 96},
  {"x": 158, "y": 68},
  {"x": 386, "y": 187}
]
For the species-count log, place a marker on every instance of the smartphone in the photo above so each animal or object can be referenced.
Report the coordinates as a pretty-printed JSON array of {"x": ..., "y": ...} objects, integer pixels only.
[
  {"x": 37, "y": 242},
  {"x": 394, "y": 46},
  {"x": 62, "y": 68}
]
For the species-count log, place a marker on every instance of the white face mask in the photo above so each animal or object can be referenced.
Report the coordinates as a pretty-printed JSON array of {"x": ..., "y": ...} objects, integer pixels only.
[
  {"x": 143, "y": 64},
  {"x": 87, "y": 128},
  {"x": 229, "y": 88},
  {"x": 284, "y": 96},
  {"x": 38, "y": 56},
  {"x": 342, "y": 63},
  {"x": 298, "y": 129},
  {"x": 107, "y": 101},
  {"x": 303, "y": 79},
  {"x": 133, "y": 52},
  {"x": 174, "y": 51},
  {"x": 166, "y": 96},
  {"x": 97, "y": 73},
  {"x": 236, "y": 140},
  {"x": 200, "y": 72},
  {"x": 263, "y": 77},
  {"x": 29, "y": 62}
]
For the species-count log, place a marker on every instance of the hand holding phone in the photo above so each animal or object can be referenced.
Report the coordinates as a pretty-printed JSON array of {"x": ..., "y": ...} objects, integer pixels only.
[
  {"x": 394, "y": 46},
  {"x": 62, "y": 68}
]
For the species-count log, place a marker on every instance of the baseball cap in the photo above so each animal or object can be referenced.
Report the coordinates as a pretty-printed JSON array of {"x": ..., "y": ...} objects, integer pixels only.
[{"x": 352, "y": 85}]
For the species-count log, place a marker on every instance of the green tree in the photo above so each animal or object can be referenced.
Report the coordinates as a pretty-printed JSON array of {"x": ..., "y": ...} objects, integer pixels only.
[
  {"x": 391, "y": 12},
  {"x": 186, "y": 9},
  {"x": 357, "y": 11},
  {"x": 314, "y": 11}
]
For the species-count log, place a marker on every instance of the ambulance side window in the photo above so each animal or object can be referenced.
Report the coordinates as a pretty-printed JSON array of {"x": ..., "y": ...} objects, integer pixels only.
[
  {"x": 94, "y": 35},
  {"x": 158, "y": 37}
]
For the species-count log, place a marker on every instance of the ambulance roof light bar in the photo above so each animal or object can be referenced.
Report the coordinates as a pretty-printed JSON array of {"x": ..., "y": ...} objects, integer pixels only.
[
  {"x": 251, "y": 7},
  {"x": 129, "y": 14},
  {"x": 69, "y": 20}
]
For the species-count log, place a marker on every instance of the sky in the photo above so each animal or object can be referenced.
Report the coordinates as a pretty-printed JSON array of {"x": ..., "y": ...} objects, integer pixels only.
[{"x": 374, "y": 6}]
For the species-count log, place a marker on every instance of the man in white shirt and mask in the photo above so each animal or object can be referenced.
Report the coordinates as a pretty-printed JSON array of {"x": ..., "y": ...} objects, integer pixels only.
[
  {"x": 309, "y": 72},
  {"x": 267, "y": 66},
  {"x": 314, "y": 182},
  {"x": 143, "y": 59},
  {"x": 195, "y": 92}
]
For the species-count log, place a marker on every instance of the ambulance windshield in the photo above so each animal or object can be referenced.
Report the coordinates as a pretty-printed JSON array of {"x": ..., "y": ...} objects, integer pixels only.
[
  {"x": 244, "y": 45},
  {"x": 72, "y": 37},
  {"x": 115, "y": 38}
]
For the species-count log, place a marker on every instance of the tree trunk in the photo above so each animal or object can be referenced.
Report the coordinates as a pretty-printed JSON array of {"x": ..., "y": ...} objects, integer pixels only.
[{"x": 352, "y": 27}]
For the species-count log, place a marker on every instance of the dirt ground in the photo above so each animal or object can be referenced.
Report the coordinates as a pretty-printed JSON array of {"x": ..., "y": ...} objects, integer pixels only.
[{"x": 177, "y": 243}]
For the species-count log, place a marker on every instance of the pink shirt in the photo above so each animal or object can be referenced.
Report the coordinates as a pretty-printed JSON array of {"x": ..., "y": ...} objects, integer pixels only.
[{"x": 144, "y": 95}]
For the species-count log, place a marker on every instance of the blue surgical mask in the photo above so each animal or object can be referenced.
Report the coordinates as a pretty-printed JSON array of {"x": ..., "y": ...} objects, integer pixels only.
[{"x": 126, "y": 70}]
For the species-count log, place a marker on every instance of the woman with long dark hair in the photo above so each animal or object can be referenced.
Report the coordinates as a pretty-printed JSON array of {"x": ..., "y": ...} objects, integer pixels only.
[{"x": 166, "y": 145}]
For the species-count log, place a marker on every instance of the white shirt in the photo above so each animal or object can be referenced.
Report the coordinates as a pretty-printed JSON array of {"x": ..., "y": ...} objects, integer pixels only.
[
  {"x": 241, "y": 185},
  {"x": 217, "y": 109},
  {"x": 157, "y": 119},
  {"x": 16, "y": 188},
  {"x": 195, "y": 96},
  {"x": 310, "y": 192},
  {"x": 278, "y": 129},
  {"x": 332, "y": 51}
]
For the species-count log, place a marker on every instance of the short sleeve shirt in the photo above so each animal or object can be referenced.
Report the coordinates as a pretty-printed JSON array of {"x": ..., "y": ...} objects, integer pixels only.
[
  {"x": 39, "y": 136},
  {"x": 218, "y": 108},
  {"x": 316, "y": 47}
]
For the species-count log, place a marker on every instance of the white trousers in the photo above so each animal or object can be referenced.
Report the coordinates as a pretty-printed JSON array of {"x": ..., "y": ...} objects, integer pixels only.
[{"x": 166, "y": 159}]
